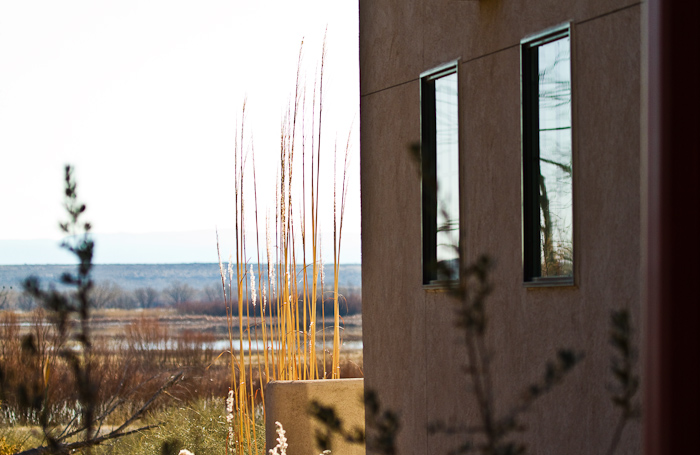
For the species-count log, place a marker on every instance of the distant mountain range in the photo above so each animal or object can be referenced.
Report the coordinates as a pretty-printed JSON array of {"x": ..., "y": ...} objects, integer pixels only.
[
  {"x": 186, "y": 247},
  {"x": 157, "y": 276}
]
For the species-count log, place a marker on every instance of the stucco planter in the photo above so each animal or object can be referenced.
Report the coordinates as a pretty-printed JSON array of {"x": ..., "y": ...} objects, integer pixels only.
[{"x": 288, "y": 402}]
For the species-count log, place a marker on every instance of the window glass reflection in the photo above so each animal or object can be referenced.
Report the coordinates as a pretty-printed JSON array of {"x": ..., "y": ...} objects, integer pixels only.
[
  {"x": 447, "y": 175},
  {"x": 555, "y": 170}
]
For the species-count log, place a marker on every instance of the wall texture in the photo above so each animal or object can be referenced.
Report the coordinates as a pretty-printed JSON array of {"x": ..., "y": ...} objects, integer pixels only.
[
  {"x": 413, "y": 356},
  {"x": 289, "y": 402}
]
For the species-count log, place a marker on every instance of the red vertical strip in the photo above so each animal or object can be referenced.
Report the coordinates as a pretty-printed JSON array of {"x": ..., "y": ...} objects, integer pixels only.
[{"x": 672, "y": 378}]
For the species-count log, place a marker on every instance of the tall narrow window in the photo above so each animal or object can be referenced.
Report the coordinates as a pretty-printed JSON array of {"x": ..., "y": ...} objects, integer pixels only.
[
  {"x": 548, "y": 246},
  {"x": 440, "y": 165}
]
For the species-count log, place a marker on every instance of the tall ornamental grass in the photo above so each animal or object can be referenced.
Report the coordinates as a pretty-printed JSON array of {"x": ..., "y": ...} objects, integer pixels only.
[{"x": 283, "y": 347}]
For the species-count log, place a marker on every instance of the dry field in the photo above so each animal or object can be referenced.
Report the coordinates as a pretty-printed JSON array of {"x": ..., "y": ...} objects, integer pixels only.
[
  {"x": 137, "y": 349},
  {"x": 122, "y": 329}
]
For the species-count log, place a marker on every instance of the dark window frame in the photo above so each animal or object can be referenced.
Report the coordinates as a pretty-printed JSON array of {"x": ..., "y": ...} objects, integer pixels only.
[
  {"x": 429, "y": 207},
  {"x": 531, "y": 246}
]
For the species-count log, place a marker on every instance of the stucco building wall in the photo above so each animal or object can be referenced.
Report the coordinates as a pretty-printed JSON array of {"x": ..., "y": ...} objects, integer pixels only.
[{"x": 413, "y": 355}]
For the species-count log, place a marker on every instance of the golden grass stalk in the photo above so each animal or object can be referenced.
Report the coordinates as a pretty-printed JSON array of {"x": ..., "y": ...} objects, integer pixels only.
[{"x": 336, "y": 256}]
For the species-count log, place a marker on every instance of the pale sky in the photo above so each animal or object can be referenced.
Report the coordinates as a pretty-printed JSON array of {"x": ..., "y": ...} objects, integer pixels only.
[{"x": 143, "y": 97}]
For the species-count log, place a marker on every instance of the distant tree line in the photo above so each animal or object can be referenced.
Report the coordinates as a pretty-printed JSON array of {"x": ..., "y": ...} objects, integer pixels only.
[{"x": 183, "y": 297}]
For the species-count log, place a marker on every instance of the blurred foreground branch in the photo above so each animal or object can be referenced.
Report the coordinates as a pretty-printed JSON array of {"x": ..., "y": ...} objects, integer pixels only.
[{"x": 69, "y": 313}]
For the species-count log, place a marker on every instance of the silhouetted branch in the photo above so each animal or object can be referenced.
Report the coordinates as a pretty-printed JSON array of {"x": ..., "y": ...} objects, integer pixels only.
[{"x": 65, "y": 309}]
